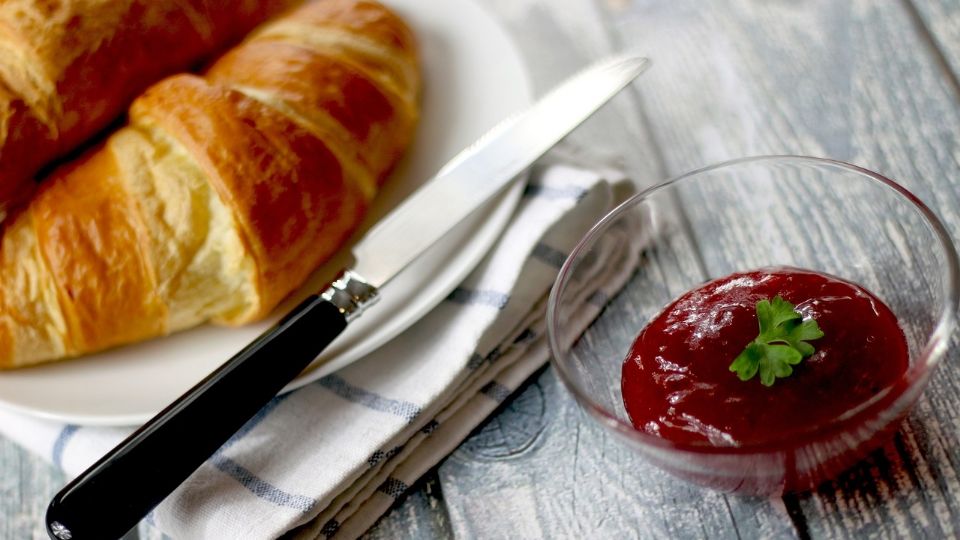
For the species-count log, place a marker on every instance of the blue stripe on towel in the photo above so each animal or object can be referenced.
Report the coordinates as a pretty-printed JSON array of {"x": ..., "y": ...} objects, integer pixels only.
[
  {"x": 246, "y": 478},
  {"x": 393, "y": 487},
  {"x": 495, "y": 299},
  {"x": 525, "y": 337},
  {"x": 496, "y": 391},
  {"x": 552, "y": 256},
  {"x": 262, "y": 488},
  {"x": 380, "y": 455},
  {"x": 330, "y": 528},
  {"x": 60, "y": 444},
  {"x": 475, "y": 361},
  {"x": 430, "y": 427},
  {"x": 255, "y": 420},
  {"x": 404, "y": 409}
]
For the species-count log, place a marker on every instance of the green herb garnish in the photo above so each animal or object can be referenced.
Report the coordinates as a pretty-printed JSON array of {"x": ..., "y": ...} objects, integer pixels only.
[{"x": 782, "y": 342}]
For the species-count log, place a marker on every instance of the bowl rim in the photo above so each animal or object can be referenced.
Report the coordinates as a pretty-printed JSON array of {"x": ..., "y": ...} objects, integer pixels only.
[{"x": 914, "y": 377}]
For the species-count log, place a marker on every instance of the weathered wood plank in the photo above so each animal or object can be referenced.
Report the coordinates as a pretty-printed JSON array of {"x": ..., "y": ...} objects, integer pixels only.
[
  {"x": 420, "y": 514},
  {"x": 850, "y": 80},
  {"x": 26, "y": 486},
  {"x": 556, "y": 39},
  {"x": 562, "y": 476}
]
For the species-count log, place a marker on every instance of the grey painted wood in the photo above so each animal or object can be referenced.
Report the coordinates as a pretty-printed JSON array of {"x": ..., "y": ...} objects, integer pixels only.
[
  {"x": 26, "y": 484},
  {"x": 865, "y": 88},
  {"x": 570, "y": 479},
  {"x": 421, "y": 514}
]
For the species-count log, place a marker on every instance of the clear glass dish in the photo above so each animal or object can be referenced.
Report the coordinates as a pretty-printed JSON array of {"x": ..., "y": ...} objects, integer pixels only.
[{"x": 811, "y": 213}]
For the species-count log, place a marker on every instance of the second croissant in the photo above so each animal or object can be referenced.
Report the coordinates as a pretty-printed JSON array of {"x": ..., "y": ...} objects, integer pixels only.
[{"x": 223, "y": 193}]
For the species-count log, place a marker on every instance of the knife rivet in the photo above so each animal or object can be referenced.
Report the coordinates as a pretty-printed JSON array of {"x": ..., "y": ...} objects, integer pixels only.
[
  {"x": 60, "y": 531},
  {"x": 351, "y": 294}
]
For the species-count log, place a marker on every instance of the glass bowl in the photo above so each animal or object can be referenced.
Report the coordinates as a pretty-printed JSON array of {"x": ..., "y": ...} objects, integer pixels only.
[{"x": 792, "y": 211}]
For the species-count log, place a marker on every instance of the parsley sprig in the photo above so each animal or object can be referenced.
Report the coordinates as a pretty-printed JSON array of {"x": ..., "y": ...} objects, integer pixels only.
[{"x": 782, "y": 342}]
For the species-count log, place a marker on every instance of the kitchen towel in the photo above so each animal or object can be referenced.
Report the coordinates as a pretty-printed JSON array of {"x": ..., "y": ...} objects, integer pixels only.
[{"x": 328, "y": 459}]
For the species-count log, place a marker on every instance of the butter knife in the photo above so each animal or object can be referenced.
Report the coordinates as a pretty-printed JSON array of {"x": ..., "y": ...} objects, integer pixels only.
[{"x": 110, "y": 497}]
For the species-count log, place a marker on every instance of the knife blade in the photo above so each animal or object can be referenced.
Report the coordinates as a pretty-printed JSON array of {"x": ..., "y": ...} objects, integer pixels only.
[{"x": 111, "y": 497}]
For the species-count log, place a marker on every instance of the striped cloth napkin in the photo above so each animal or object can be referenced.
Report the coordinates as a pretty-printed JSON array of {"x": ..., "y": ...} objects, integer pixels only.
[{"x": 330, "y": 458}]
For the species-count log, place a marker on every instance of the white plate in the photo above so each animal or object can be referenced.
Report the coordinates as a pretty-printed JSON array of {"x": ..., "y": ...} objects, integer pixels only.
[{"x": 473, "y": 77}]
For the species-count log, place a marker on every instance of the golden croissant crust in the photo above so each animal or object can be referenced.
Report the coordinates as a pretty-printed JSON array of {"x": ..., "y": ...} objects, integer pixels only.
[
  {"x": 221, "y": 195},
  {"x": 69, "y": 67}
]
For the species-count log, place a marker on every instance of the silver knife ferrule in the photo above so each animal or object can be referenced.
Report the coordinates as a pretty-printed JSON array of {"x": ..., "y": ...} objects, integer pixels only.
[{"x": 351, "y": 294}]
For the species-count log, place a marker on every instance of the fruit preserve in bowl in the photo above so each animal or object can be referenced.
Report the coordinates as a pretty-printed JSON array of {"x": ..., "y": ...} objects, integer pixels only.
[{"x": 773, "y": 320}]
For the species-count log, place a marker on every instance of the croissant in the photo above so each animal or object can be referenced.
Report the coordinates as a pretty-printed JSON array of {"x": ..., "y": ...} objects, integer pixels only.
[
  {"x": 69, "y": 67},
  {"x": 221, "y": 195}
]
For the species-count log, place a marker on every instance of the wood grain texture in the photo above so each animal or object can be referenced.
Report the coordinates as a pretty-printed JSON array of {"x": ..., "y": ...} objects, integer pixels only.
[
  {"x": 862, "y": 87},
  {"x": 573, "y": 480},
  {"x": 420, "y": 514},
  {"x": 27, "y": 483},
  {"x": 26, "y": 486}
]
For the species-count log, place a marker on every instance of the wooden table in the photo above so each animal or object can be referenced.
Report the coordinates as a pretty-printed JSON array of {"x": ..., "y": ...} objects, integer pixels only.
[{"x": 872, "y": 82}]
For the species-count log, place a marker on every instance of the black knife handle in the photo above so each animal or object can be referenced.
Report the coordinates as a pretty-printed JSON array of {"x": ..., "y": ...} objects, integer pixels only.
[{"x": 114, "y": 494}]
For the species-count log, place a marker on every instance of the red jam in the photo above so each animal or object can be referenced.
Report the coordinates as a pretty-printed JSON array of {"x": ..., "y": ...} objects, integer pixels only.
[{"x": 676, "y": 379}]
